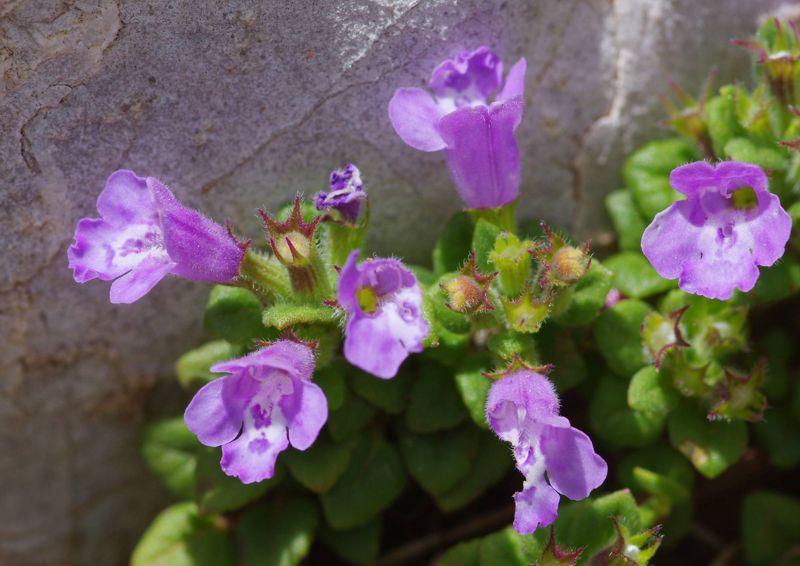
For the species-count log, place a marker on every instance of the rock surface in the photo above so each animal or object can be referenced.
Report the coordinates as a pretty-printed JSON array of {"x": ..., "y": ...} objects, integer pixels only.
[{"x": 238, "y": 104}]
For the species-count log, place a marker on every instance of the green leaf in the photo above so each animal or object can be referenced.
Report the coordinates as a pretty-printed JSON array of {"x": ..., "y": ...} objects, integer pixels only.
[
  {"x": 375, "y": 478},
  {"x": 285, "y": 315},
  {"x": 770, "y": 526},
  {"x": 453, "y": 246},
  {"x": 216, "y": 492},
  {"x": 586, "y": 297},
  {"x": 626, "y": 218},
  {"x": 777, "y": 282},
  {"x": 170, "y": 451},
  {"x": 234, "y": 314},
  {"x": 357, "y": 546},
  {"x": 617, "y": 333},
  {"x": 646, "y": 173},
  {"x": 492, "y": 460},
  {"x": 331, "y": 379},
  {"x": 192, "y": 367},
  {"x": 587, "y": 524},
  {"x": 180, "y": 536},
  {"x": 277, "y": 534},
  {"x": 613, "y": 421},
  {"x": 352, "y": 417},
  {"x": 743, "y": 149},
  {"x": 711, "y": 446},
  {"x": 438, "y": 461},
  {"x": 559, "y": 348},
  {"x": 319, "y": 467},
  {"x": 435, "y": 403},
  {"x": 669, "y": 473},
  {"x": 635, "y": 277},
  {"x": 474, "y": 387},
  {"x": 463, "y": 554},
  {"x": 721, "y": 119},
  {"x": 389, "y": 395},
  {"x": 778, "y": 348},
  {"x": 651, "y": 392},
  {"x": 779, "y": 434},
  {"x": 483, "y": 243},
  {"x": 503, "y": 547},
  {"x": 506, "y": 344}
]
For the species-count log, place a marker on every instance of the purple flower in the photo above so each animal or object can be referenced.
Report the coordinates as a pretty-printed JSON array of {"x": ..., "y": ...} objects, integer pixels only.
[
  {"x": 346, "y": 193},
  {"x": 267, "y": 402},
  {"x": 143, "y": 235},
  {"x": 715, "y": 240},
  {"x": 522, "y": 409},
  {"x": 477, "y": 136},
  {"x": 383, "y": 302}
]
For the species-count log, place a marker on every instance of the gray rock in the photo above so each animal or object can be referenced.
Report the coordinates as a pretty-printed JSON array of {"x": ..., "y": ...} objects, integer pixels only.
[{"x": 238, "y": 104}]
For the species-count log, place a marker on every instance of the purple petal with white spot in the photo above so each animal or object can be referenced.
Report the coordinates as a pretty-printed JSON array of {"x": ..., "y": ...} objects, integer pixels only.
[
  {"x": 346, "y": 193},
  {"x": 536, "y": 506},
  {"x": 469, "y": 78},
  {"x": 216, "y": 412},
  {"x": 140, "y": 280}
]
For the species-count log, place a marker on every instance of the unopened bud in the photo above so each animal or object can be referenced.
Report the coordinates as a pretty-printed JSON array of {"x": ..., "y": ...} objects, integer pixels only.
[
  {"x": 569, "y": 264},
  {"x": 293, "y": 249},
  {"x": 464, "y": 295}
]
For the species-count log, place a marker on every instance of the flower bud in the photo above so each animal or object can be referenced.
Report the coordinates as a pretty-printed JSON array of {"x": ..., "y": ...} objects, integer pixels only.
[
  {"x": 569, "y": 264},
  {"x": 463, "y": 293}
]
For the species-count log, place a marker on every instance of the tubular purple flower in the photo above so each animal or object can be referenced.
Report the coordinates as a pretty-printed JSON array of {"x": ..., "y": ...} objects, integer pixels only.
[
  {"x": 267, "y": 402},
  {"x": 346, "y": 193},
  {"x": 522, "y": 409},
  {"x": 143, "y": 234},
  {"x": 383, "y": 302},
  {"x": 715, "y": 239},
  {"x": 477, "y": 136}
]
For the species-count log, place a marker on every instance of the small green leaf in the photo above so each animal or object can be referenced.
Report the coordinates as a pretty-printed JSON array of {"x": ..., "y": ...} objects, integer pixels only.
[
  {"x": 503, "y": 547},
  {"x": 192, "y": 367},
  {"x": 657, "y": 470},
  {"x": 558, "y": 347},
  {"x": 779, "y": 434},
  {"x": 651, "y": 392},
  {"x": 711, "y": 446},
  {"x": 375, "y": 478},
  {"x": 438, "y": 461},
  {"x": 723, "y": 124},
  {"x": 483, "y": 243},
  {"x": 277, "y": 534},
  {"x": 613, "y": 421},
  {"x": 319, "y": 467},
  {"x": 331, "y": 379},
  {"x": 586, "y": 297},
  {"x": 389, "y": 395},
  {"x": 170, "y": 450},
  {"x": 492, "y": 460},
  {"x": 352, "y": 417},
  {"x": 463, "y": 554},
  {"x": 617, "y": 333},
  {"x": 360, "y": 545},
  {"x": 770, "y": 526},
  {"x": 777, "y": 282},
  {"x": 216, "y": 492},
  {"x": 234, "y": 314},
  {"x": 743, "y": 149},
  {"x": 453, "y": 246},
  {"x": 626, "y": 218},
  {"x": 180, "y": 536},
  {"x": 474, "y": 387},
  {"x": 285, "y": 315},
  {"x": 635, "y": 277},
  {"x": 435, "y": 403},
  {"x": 646, "y": 173}
]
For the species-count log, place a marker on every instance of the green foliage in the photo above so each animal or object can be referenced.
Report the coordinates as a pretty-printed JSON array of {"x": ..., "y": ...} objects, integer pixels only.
[
  {"x": 779, "y": 434},
  {"x": 180, "y": 536},
  {"x": 216, "y": 492},
  {"x": 373, "y": 480},
  {"x": 453, "y": 245},
  {"x": 614, "y": 421},
  {"x": 287, "y": 315},
  {"x": 483, "y": 243},
  {"x": 234, "y": 314},
  {"x": 192, "y": 368},
  {"x": 359, "y": 545},
  {"x": 627, "y": 220},
  {"x": 170, "y": 450},
  {"x": 389, "y": 395},
  {"x": 635, "y": 277},
  {"x": 278, "y": 534},
  {"x": 711, "y": 446},
  {"x": 435, "y": 403},
  {"x": 770, "y": 526},
  {"x": 651, "y": 392},
  {"x": 617, "y": 333},
  {"x": 473, "y": 387},
  {"x": 318, "y": 468},
  {"x": 586, "y": 298}
]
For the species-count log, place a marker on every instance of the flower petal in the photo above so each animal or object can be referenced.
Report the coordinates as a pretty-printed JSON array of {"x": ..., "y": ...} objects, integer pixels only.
[
  {"x": 515, "y": 82},
  {"x": 137, "y": 283},
  {"x": 201, "y": 249},
  {"x": 769, "y": 231},
  {"x": 690, "y": 178},
  {"x": 415, "y": 116},
  {"x": 216, "y": 412},
  {"x": 306, "y": 413},
  {"x": 536, "y": 506},
  {"x": 732, "y": 175},
  {"x": 126, "y": 200},
  {"x": 482, "y": 152},
  {"x": 671, "y": 239},
  {"x": 468, "y": 78},
  {"x": 523, "y": 389},
  {"x": 379, "y": 343},
  {"x": 291, "y": 357},
  {"x": 573, "y": 467}
]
